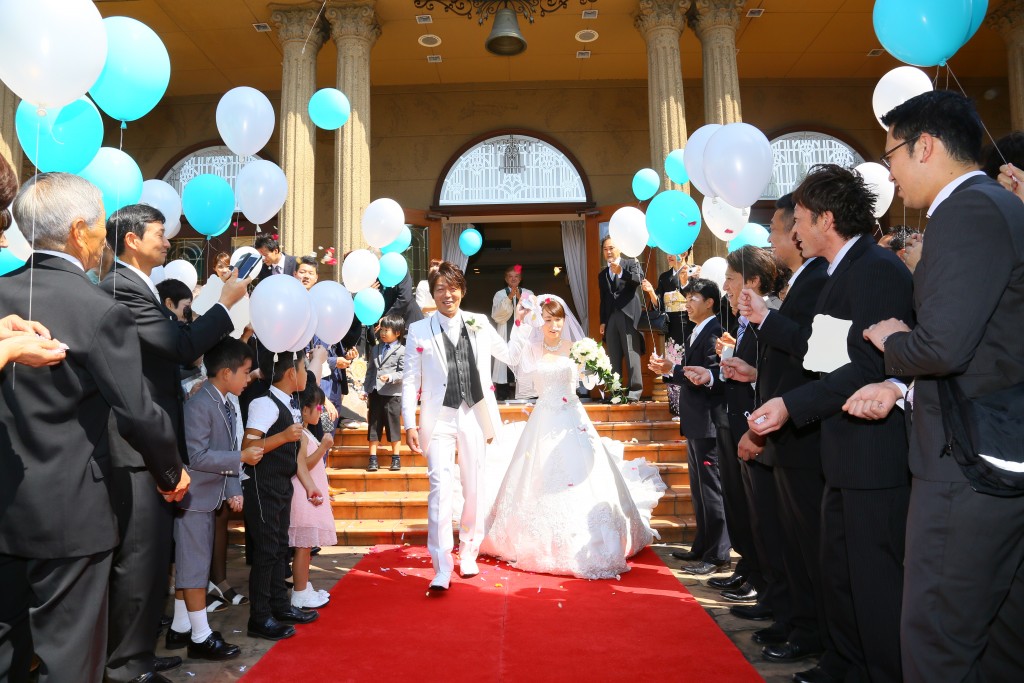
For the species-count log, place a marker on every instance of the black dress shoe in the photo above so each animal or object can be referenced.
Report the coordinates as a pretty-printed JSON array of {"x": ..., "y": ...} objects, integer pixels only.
[
  {"x": 165, "y": 620},
  {"x": 213, "y": 648},
  {"x": 756, "y": 612},
  {"x": 729, "y": 583},
  {"x": 270, "y": 628},
  {"x": 686, "y": 555},
  {"x": 705, "y": 568},
  {"x": 150, "y": 677},
  {"x": 773, "y": 635},
  {"x": 161, "y": 664},
  {"x": 294, "y": 615},
  {"x": 789, "y": 652},
  {"x": 815, "y": 675},
  {"x": 175, "y": 640},
  {"x": 745, "y": 593}
]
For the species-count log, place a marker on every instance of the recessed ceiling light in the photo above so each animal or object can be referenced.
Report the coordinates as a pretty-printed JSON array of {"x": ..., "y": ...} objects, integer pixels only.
[
  {"x": 582, "y": 54},
  {"x": 424, "y": 19},
  {"x": 587, "y": 35},
  {"x": 261, "y": 27},
  {"x": 877, "y": 52},
  {"x": 429, "y": 40},
  {"x": 590, "y": 14},
  {"x": 755, "y": 12},
  {"x": 434, "y": 59}
]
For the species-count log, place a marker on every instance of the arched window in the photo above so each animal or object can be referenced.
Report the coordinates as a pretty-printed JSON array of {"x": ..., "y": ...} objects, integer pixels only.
[
  {"x": 793, "y": 155},
  {"x": 218, "y": 160}
]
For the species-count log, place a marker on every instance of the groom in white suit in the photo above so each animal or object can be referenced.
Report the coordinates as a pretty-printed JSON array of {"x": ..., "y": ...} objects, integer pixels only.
[{"x": 448, "y": 369}]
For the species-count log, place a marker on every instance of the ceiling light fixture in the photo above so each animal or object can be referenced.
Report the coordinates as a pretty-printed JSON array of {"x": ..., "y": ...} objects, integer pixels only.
[
  {"x": 261, "y": 27},
  {"x": 587, "y": 35},
  {"x": 429, "y": 40},
  {"x": 877, "y": 52},
  {"x": 755, "y": 12}
]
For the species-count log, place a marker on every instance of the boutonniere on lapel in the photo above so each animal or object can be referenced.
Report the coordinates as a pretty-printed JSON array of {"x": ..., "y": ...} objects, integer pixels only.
[{"x": 473, "y": 324}]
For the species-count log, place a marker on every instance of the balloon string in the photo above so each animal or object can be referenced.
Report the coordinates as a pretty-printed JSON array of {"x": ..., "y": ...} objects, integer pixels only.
[
  {"x": 949, "y": 72},
  {"x": 313, "y": 26}
]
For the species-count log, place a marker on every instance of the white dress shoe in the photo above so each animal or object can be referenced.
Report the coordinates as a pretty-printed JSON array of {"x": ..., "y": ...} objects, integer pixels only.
[
  {"x": 441, "y": 581},
  {"x": 309, "y": 598},
  {"x": 468, "y": 568}
]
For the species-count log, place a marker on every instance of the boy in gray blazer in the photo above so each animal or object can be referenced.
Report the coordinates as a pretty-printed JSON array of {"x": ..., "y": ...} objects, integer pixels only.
[
  {"x": 382, "y": 389},
  {"x": 211, "y": 436}
]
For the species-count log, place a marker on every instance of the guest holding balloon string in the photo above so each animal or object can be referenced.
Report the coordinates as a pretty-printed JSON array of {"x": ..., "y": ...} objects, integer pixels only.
[
  {"x": 276, "y": 261},
  {"x": 620, "y": 312}
]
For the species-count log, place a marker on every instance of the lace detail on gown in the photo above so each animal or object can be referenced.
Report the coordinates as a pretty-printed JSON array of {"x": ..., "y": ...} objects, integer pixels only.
[{"x": 569, "y": 504}]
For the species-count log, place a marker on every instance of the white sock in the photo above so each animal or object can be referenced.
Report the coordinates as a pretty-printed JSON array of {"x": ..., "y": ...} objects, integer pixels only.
[
  {"x": 200, "y": 626},
  {"x": 181, "y": 624}
]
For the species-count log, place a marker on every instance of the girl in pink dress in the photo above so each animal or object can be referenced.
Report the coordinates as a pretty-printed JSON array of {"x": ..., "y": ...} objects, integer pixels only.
[{"x": 311, "y": 524}]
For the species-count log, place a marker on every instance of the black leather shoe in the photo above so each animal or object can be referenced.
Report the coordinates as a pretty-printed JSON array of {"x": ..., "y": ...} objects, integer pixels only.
[
  {"x": 175, "y": 640},
  {"x": 270, "y": 628},
  {"x": 773, "y": 635},
  {"x": 165, "y": 620},
  {"x": 150, "y": 677},
  {"x": 745, "y": 593},
  {"x": 705, "y": 568},
  {"x": 789, "y": 652},
  {"x": 756, "y": 612},
  {"x": 815, "y": 675},
  {"x": 213, "y": 648},
  {"x": 294, "y": 615},
  {"x": 686, "y": 555},
  {"x": 729, "y": 583},
  {"x": 161, "y": 664}
]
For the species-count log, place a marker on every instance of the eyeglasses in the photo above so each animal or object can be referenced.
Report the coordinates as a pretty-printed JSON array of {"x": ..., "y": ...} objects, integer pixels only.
[{"x": 884, "y": 159}]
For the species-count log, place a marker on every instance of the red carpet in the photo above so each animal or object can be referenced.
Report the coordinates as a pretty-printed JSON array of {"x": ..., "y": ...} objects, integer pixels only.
[{"x": 505, "y": 625}]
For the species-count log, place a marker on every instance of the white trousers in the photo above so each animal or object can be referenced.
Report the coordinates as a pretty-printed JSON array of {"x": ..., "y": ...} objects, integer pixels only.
[{"x": 455, "y": 428}]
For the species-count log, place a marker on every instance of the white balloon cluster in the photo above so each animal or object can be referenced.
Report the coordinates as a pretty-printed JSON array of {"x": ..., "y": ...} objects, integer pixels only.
[{"x": 285, "y": 316}]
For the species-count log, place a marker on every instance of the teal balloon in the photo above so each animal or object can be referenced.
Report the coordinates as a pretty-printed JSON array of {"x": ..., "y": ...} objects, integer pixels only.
[
  {"x": 136, "y": 73},
  {"x": 470, "y": 241},
  {"x": 673, "y": 221},
  {"x": 650, "y": 241},
  {"x": 646, "y": 183},
  {"x": 9, "y": 262},
  {"x": 369, "y": 305},
  {"x": 752, "y": 235},
  {"x": 978, "y": 10},
  {"x": 401, "y": 243},
  {"x": 118, "y": 177},
  {"x": 393, "y": 269},
  {"x": 208, "y": 202},
  {"x": 329, "y": 108},
  {"x": 923, "y": 32},
  {"x": 63, "y": 139},
  {"x": 675, "y": 169}
]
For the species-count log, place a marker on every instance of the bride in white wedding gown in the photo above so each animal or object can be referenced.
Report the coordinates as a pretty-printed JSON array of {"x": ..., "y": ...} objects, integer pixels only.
[{"x": 568, "y": 504}]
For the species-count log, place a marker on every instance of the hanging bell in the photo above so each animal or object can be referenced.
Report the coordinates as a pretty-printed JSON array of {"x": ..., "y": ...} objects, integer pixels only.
[{"x": 505, "y": 39}]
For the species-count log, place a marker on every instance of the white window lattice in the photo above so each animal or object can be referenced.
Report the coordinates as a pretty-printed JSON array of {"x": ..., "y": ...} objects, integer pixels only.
[
  {"x": 217, "y": 160},
  {"x": 478, "y": 177},
  {"x": 794, "y": 154}
]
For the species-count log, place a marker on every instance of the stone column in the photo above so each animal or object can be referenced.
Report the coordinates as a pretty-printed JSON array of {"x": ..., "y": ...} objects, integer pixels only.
[
  {"x": 10, "y": 149},
  {"x": 300, "y": 43},
  {"x": 715, "y": 23},
  {"x": 355, "y": 29},
  {"x": 1008, "y": 20}
]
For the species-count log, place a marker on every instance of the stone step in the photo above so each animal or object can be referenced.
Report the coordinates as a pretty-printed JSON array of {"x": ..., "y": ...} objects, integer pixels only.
[
  {"x": 659, "y": 430},
  {"x": 645, "y": 411}
]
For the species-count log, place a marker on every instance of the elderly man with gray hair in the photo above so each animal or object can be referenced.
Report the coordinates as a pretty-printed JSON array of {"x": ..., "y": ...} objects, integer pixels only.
[{"x": 57, "y": 525}]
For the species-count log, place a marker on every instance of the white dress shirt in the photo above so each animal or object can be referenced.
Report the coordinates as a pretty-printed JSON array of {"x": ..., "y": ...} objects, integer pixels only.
[{"x": 67, "y": 257}]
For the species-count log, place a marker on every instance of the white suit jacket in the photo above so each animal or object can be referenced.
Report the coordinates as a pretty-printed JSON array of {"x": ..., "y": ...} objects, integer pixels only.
[{"x": 426, "y": 372}]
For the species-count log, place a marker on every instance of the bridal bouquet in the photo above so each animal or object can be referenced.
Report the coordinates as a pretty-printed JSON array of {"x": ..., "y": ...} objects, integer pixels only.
[{"x": 597, "y": 369}]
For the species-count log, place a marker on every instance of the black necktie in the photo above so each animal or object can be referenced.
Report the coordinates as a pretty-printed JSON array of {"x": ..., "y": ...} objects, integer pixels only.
[{"x": 295, "y": 403}]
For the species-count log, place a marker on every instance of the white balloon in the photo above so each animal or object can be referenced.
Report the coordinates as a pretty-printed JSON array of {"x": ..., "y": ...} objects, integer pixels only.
[
  {"x": 156, "y": 276},
  {"x": 240, "y": 316},
  {"x": 382, "y": 222},
  {"x": 628, "y": 229},
  {"x": 209, "y": 295},
  {"x": 260, "y": 190},
  {"x": 714, "y": 269},
  {"x": 183, "y": 271},
  {"x": 16, "y": 242},
  {"x": 723, "y": 220},
  {"x": 360, "y": 270},
  {"x": 896, "y": 87},
  {"x": 334, "y": 309},
  {"x": 307, "y": 333},
  {"x": 245, "y": 120},
  {"x": 238, "y": 254},
  {"x": 738, "y": 163},
  {"x": 877, "y": 178},
  {"x": 280, "y": 310},
  {"x": 693, "y": 157},
  {"x": 163, "y": 196},
  {"x": 51, "y": 51}
]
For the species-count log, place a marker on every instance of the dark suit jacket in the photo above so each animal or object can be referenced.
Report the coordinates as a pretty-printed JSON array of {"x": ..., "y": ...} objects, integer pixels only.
[
  {"x": 780, "y": 370},
  {"x": 969, "y": 303},
  {"x": 696, "y": 402},
  {"x": 54, "y": 447},
  {"x": 739, "y": 396},
  {"x": 400, "y": 299},
  {"x": 869, "y": 284},
  {"x": 622, "y": 295},
  {"x": 166, "y": 345},
  {"x": 288, "y": 266}
]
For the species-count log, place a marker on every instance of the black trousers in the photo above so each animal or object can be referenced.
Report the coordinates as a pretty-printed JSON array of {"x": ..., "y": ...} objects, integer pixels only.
[
  {"x": 58, "y": 609},
  {"x": 711, "y": 539},
  {"x": 138, "y": 577},
  {"x": 963, "y": 599},
  {"x": 267, "y": 511},
  {"x": 623, "y": 341},
  {"x": 862, "y": 548},
  {"x": 759, "y": 482},
  {"x": 734, "y": 498}
]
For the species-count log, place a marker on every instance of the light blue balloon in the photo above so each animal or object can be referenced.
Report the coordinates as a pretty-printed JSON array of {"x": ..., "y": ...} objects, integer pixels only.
[
  {"x": 752, "y": 235},
  {"x": 922, "y": 32},
  {"x": 673, "y": 221},
  {"x": 208, "y": 202},
  {"x": 470, "y": 241},
  {"x": 329, "y": 108},
  {"x": 369, "y": 305},
  {"x": 64, "y": 139},
  {"x": 978, "y": 10},
  {"x": 118, "y": 177},
  {"x": 675, "y": 169},
  {"x": 401, "y": 243},
  {"x": 9, "y": 262},
  {"x": 646, "y": 183},
  {"x": 136, "y": 73},
  {"x": 393, "y": 269}
]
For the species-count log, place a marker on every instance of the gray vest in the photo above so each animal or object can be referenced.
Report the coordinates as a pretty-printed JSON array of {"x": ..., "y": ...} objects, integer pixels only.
[{"x": 463, "y": 377}]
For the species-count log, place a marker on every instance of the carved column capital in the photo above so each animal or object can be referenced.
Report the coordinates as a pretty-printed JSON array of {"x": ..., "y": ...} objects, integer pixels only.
[
  {"x": 652, "y": 15},
  {"x": 1008, "y": 19},
  {"x": 293, "y": 24},
  {"x": 711, "y": 14},
  {"x": 353, "y": 20}
]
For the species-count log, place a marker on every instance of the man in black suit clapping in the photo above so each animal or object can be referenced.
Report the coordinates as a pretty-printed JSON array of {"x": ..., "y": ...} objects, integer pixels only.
[{"x": 620, "y": 311}]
